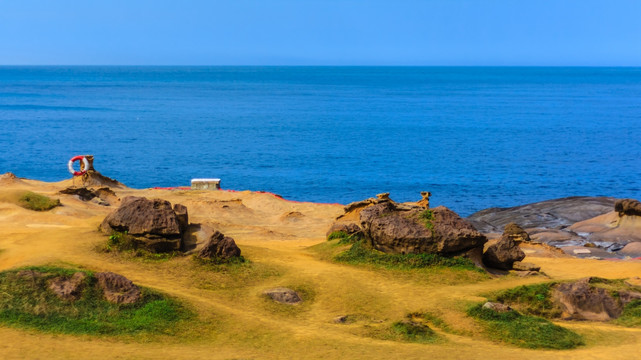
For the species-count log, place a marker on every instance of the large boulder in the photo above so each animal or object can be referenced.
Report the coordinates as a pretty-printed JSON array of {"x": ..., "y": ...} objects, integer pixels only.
[
  {"x": 502, "y": 254},
  {"x": 118, "y": 289},
  {"x": 153, "y": 224},
  {"x": 220, "y": 247},
  {"x": 402, "y": 229}
]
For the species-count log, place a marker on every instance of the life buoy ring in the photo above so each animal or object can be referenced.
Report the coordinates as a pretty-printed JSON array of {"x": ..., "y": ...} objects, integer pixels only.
[{"x": 84, "y": 162}]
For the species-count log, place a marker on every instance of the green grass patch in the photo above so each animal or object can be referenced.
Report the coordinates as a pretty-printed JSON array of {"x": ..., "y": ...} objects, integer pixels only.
[
  {"x": 26, "y": 301},
  {"x": 427, "y": 217},
  {"x": 531, "y": 299},
  {"x": 37, "y": 202},
  {"x": 412, "y": 329},
  {"x": 343, "y": 237},
  {"x": 523, "y": 330},
  {"x": 123, "y": 243},
  {"x": 360, "y": 253},
  {"x": 631, "y": 315}
]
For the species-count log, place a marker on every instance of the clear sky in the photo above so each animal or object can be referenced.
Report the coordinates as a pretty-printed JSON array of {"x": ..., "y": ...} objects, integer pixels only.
[{"x": 320, "y": 32}]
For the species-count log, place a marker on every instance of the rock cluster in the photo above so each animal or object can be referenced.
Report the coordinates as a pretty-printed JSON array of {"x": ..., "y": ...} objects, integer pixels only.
[{"x": 153, "y": 224}]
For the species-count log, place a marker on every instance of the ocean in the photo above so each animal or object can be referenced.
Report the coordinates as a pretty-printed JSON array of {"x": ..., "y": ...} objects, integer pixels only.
[{"x": 476, "y": 137}]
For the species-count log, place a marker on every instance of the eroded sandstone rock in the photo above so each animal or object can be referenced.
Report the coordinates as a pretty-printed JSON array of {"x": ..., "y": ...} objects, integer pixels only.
[
  {"x": 284, "y": 296},
  {"x": 153, "y": 224},
  {"x": 68, "y": 288},
  {"x": 403, "y": 229},
  {"x": 118, "y": 289}
]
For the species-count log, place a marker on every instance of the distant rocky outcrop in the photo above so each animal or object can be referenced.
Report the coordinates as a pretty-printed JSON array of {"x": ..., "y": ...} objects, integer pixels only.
[
  {"x": 400, "y": 228},
  {"x": 153, "y": 224},
  {"x": 550, "y": 214}
]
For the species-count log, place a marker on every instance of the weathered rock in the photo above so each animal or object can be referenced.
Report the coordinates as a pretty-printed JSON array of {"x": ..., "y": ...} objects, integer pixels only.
[
  {"x": 580, "y": 301},
  {"x": 284, "y": 296},
  {"x": 182, "y": 217},
  {"x": 404, "y": 229},
  {"x": 383, "y": 196},
  {"x": 502, "y": 254},
  {"x": 118, "y": 289},
  {"x": 525, "y": 266},
  {"x": 82, "y": 193},
  {"x": 219, "y": 246},
  {"x": 153, "y": 224},
  {"x": 68, "y": 289},
  {"x": 497, "y": 307},
  {"x": 516, "y": 233},
  {"x": 629, "y": 207},
  {"x": 425, "y": 201},
  {"x": 349, "y": 228}
]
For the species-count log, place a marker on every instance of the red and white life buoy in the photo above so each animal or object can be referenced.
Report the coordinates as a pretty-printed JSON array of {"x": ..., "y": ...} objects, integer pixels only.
[{"x": 84, "y": 162}]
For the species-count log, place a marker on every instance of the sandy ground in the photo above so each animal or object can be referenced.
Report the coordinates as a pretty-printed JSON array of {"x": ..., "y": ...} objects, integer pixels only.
[{"x": 235, "y": 321}]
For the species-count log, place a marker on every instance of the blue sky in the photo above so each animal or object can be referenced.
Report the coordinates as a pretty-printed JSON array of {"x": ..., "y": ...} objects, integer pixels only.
[{"x": 321, "y": 32}]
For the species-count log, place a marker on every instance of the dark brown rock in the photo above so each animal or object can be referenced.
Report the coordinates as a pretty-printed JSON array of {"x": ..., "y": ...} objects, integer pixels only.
[
  {"x": 392, "y": 228},
  {"x": 284, "y": 296},
  {"x": 68, "y": 289},
  {"x": 118, "y": 289},
  {"x": 629, "y": 207},
  {"x": 516, "y": 233},
  {"x": 82, "y": 193},
  {"x": 580, "y": 301},
  {"x": 502, "y": 254},
  {"x": 152, "y": 224},
  {"x": 219, "y": 246}
]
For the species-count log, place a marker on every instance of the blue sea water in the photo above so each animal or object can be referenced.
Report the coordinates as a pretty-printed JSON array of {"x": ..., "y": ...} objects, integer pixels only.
[{"x": 476, "y": 137}]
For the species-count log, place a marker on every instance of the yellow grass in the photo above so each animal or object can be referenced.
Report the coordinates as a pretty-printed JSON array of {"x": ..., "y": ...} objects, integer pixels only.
[{"x": 234, "y": 319}]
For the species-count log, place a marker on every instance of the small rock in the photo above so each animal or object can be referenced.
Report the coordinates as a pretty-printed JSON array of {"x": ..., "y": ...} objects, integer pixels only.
[
  {"x": 69, "y": 289},
  {"x": 118, "y": 289},
  {"x": 219, "y": 246},
  {"x": 497, "y": 307},
  {"x": 284, "y": 296},
  {"x": 503, "y": 254},
  {"x": 383, "y": 196},
  {"x": 525, "y": 266},
  {"x": 526, "y": 273},
  {"x": 581, "y": 301},
  {"x": 340, "y": 319},
  {"x": 516, "y": 233}
]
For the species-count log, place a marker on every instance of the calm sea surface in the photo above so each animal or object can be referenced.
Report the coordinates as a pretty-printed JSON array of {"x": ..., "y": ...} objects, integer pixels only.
[{"x": 474, "y": 137}]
